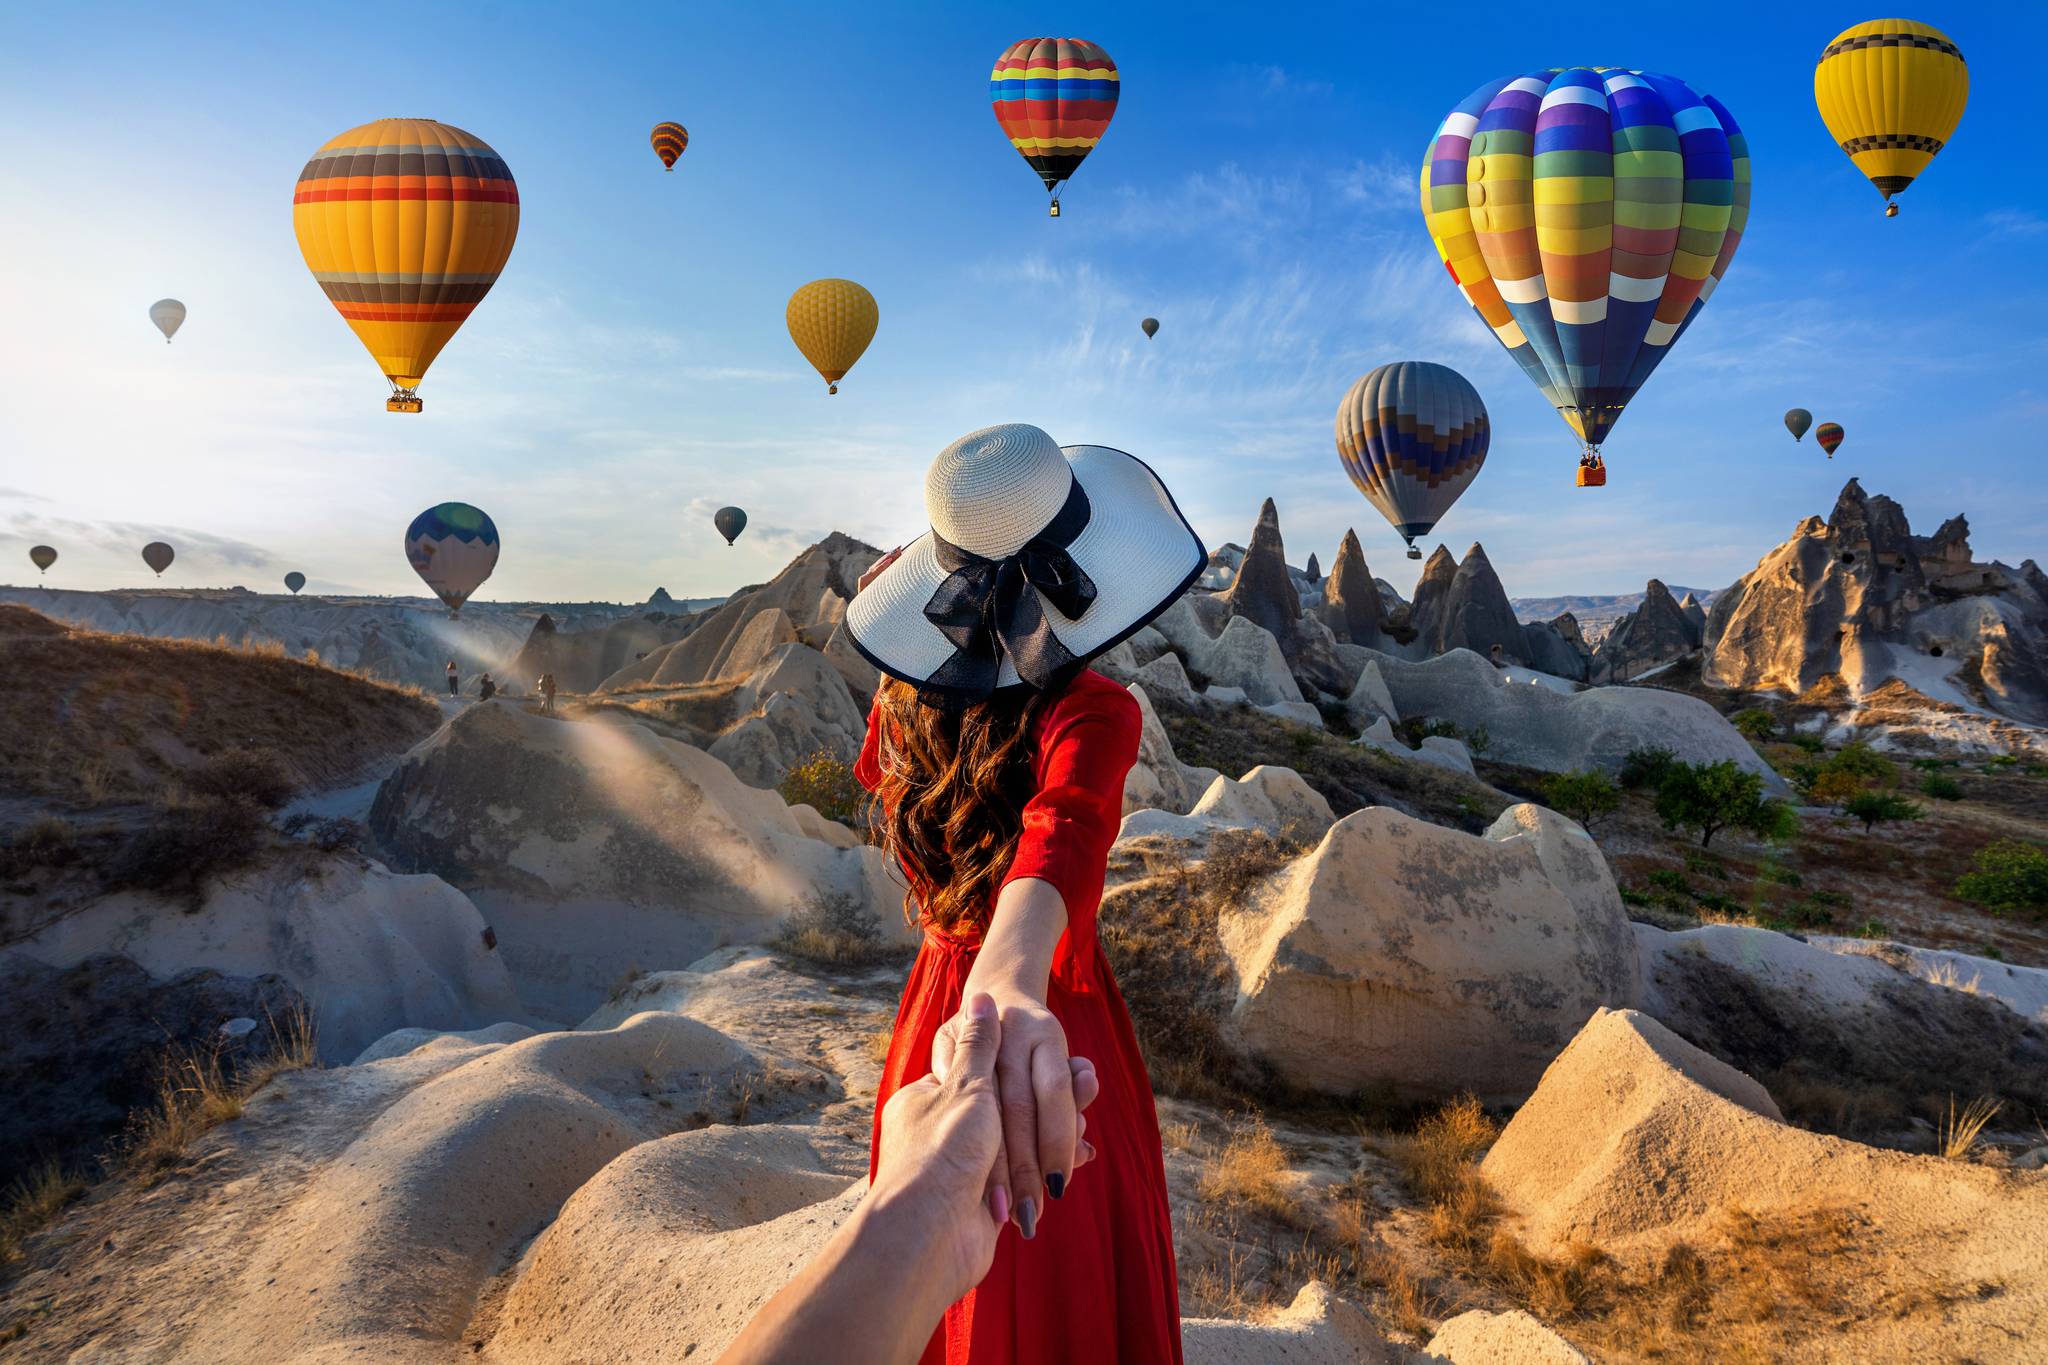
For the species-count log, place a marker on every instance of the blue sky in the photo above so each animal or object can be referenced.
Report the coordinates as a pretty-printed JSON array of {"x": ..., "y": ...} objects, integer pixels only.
[{"x": 1256, "y": 193}]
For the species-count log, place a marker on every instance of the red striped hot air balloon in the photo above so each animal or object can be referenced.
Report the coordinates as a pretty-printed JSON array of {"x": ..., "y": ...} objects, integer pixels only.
[
  {"x": 669, "y": 140},
  {"x": 1830, "y": 435},
  {"x": 1054, "y": 97}
]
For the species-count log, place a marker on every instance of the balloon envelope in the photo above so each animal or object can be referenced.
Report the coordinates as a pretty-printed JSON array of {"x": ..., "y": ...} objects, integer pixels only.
[
  {"x": 452, "y": 547},
  {"x": 1412, "y": 436},
  {"x": 294, "y": 581},
  {"x": 1830, "y": 435},
  {"x": 1891, "y": 93},
  {"x": 1053, "y": 99},
  {"x": 405, "y": 223},
  {"x": 1587, "y": 215},
  {"x": 1797, "y": 421},
  {"x": 730, "y": 521},
  {"x": 1151, "y": 326},
  {"x": 158, "y": 556},
  {"x": 169, "y": 316},
  {"x": 669, "y": 140},
  {"x": 42, "y": 556},
  {"x": 832, "y": 322}
]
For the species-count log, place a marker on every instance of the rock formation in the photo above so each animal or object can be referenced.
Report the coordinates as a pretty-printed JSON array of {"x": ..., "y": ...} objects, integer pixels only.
[
  {"x": 1696, "y": 616},
  {"x": 1656, "y": 633},
  {"x": 1557, "y": 647},
  {"x": 1351, "y": 600},
  {"x": 596, "y": 847},
  {"x": 582, "y": 659},
  {"x": 1312, "y": 571},
  {"x": 1464, "y": 607},
  {"x": 1428, "y": 608},
  {"x": 1862, "y": 598},
  {"x": 1404, "y": 953}
]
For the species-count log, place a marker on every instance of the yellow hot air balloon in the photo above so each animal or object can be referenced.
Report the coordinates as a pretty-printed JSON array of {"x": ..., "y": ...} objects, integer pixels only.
[
  {"x": 832, "y": 322},
  {"x": 1891, "y": 93},
  {"x": 405, "y": 223}
]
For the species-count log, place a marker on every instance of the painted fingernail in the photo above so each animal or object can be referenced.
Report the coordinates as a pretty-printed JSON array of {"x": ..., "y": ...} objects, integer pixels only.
[
  {"x": 1027, "y": 1218},
  {"x": 999, "y": 1205},
  {"x": 1056, "y": 1184}
]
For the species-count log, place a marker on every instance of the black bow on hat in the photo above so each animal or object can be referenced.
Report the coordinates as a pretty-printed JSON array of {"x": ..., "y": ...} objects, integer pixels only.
[{"x": 987, "y": 608}]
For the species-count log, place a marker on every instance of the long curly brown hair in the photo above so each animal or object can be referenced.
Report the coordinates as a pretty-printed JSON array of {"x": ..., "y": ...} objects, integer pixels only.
[{"x": 950, "y": 804}]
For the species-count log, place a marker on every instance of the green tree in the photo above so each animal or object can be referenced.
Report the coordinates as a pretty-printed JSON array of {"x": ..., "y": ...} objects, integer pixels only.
[
  {"x": 1875, "y": 807},
  {"x": 1862, "y": 761},
  {"x": 1711, "y": 797},
  {"x": 1941, "y": 787},
  {"x": 1646, "y": 767},
  {"x": 1584, "y": 796},
  {"x": 2009, "y": 875},
  {"x": 1756, "y": 723}
]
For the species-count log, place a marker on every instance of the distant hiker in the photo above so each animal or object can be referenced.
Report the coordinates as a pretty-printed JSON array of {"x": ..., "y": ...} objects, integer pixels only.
[
  {"x": 485, "y": 688},
  {"x": 454, "y": 681},
  {"x": 547, "y": 694},
  {"x": 1494, "y": 655}
]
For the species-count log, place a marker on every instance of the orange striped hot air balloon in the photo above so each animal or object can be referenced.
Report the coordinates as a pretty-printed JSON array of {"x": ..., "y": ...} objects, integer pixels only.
[
  {"x": 669, "y": 140},
  {"x": 1054, "y": 98},
  {"x": 405, "y": 223}
]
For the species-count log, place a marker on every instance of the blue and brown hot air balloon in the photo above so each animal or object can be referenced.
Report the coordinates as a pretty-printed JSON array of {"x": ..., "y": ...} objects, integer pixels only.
[
  {"x": 1587, "y": 215},
  {"x": 1412, "y": 436},
  {"x": 1054, "y": 97},
  {"x": 669, "y": 141},
  {"x": 453, "y": 547},
  {"x": 405, "y": 223}
]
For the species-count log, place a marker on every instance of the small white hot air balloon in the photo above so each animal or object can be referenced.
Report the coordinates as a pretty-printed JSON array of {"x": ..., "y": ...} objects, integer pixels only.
[{"x": 169, "y": 316}]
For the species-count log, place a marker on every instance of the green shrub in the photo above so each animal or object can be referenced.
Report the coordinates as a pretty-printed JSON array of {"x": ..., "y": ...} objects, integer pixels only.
[
  {"x": 255, "y": 775},
  {"x": 1479, "y": 741},
  {"x": 836, "y": 931},
  {"x": 1811, "y": 743},
  {"x": 2001, "y": 762},
  {"x": 1669, "y": 879},
  {"x": 2008, "y": 875},
  {"x": 1645, "y": 768},
  {"x": 824, "y": 782},
  {"x": 186, "y": 844},
  {"x": 1941, "y": 788},
  {"x": 1705, "y": 865},
  {"x": 1584, "y": 796},
  {"x": 1755, "y": 723},
  {"x": 1711, "y": 797},
  {"x": 1872, "y": 928},
  {"x": 1860, "y": 760},
  {"x": 1878, "y": 808}
]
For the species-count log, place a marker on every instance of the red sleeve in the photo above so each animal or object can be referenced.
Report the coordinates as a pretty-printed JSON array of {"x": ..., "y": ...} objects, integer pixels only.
[
  {"x": 867, "y": 769},
  {"x": 1084, "y": 753}
]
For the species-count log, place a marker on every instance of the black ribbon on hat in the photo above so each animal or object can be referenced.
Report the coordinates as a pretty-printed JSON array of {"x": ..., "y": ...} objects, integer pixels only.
[{"x": 988, "y": 609}]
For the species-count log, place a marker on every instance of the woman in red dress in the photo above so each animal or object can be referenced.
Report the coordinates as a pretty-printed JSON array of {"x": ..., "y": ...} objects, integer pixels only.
[{"x": 998, "y": 764}]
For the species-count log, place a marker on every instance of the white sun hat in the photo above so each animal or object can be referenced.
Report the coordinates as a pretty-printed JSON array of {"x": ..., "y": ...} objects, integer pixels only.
[{"x": 1038, "y": 560}]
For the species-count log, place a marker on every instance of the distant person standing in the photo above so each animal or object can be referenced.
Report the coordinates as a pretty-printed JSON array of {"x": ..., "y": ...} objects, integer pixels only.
[
  {"x": 1493, "y": 655},
  {"x": 454, "y": 680},
  {"x": 485, "y": 688},
  {"x": 547, "y": 694}
]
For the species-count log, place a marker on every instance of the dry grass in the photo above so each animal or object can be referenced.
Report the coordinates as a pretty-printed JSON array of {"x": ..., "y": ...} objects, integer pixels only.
[
  {"x": 1437, "y": 1160},
  {"x": 94, "y": 718},
  {"x": 198, "y": 1089},
  {"x": 834, "y": 930},
  {"x": 1961, "y": 1128},
  {"x": 1251, "y": 1170},
  {"x": 31, "y": 1204},
  {"x": 876, "y": 1045}
]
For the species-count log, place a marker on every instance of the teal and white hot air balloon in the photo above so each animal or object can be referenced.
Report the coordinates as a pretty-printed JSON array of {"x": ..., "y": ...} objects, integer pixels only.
[{"x": 1412, "y": 436}]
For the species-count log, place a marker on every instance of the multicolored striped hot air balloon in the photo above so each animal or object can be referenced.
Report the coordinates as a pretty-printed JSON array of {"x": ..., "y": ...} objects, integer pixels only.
[
  {"x": 1891, "y": 93},
  {"x": 1053, "y": 98},
  {"x": 1830, "y": 435},
  {"x": 832, "y": 322},
  {"x": 1587, "y": 214},
  {"x": 669, "y": 140},
  {"x": 405, "y": 223},
  {"x": 1412, "y": 436},
  {"x": 452, "y": 547}
]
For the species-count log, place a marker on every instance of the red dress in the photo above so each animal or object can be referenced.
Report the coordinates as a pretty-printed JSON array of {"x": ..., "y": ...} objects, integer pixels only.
[{"x": 1097, "y": 1284}]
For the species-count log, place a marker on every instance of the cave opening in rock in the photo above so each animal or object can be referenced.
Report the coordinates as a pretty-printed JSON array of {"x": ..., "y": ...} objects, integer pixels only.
[
  {"x": 1848, "y": 558},
  {"x": 1934, "y": 651}
]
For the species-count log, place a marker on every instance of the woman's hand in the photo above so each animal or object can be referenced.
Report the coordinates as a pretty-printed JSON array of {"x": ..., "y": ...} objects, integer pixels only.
[
  {"x": 1040, "y": 1093},
  {"x": 876, "y": 568}
]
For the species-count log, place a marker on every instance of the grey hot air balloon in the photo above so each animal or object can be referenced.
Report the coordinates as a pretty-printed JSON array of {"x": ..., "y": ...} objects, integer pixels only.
[
  {"x": 42, "y": 556},
  {"x": 1151, "y": 326},
  {"x": 169, "y": 316},
  {"x": 1797, "y": 421},
  {"x": 1412, "y": 436},
  {"x": 730, "y": 521},
  {"x": 294, "y": 581},
  {"x": 158, "y": 556}
]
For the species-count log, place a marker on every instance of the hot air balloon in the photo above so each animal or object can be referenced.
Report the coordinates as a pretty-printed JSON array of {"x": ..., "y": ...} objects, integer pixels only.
[
  {"x": 158, "y": 556},
  {"x": 406, "y": 224},
  {"x": 1829, "y": 434},
  {"x": 1151, "y": 327},
  {"x": 1797, "y": 421},
  {"x": 730, "y": 521},
  {"x": 1412, "y": 436},
  {"x": 169, "y": 316},
  {"x": 832, "y": 322},
  {"x": 1053, "y": 98},
  {"x": 42, "y": 556},
  {"x": 1891, "y": 93},
  {"x": 293, "y": 581},
  {"x": 669, "y": 140},
  {"x": 1586, "y": 261},
  {"x": 453, "y": 547}
]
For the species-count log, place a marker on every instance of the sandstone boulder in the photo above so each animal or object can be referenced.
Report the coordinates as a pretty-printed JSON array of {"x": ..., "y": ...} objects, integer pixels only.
[
  {"x": 1557, "y": 647},
  {"x": 1369, "y": 700},
  {"x": 1159, "y": 780},
  {"x": 1405, "y": 953},
  {"x": 1511, "y": 1338},
  {"x": 1318, "y": 1328}
]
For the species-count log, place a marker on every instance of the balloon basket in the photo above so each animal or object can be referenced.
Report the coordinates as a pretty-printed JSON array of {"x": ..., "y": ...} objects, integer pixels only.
[
  {"x": 402, "y": 403},
  {"x": 1054, "y": 211},
  {"x": 1414, "y": 553},
  {"x": 1891, "y": 210},
  {"x": 831, "y": 388},
  {"x": 1593, "y": 476}
]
